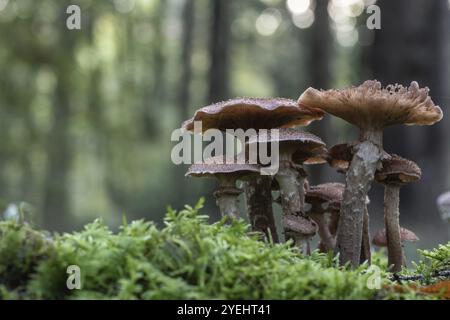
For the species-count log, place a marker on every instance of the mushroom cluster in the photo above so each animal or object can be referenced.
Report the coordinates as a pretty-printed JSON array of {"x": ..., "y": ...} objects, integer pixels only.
[{"x": 336, "y": 212}]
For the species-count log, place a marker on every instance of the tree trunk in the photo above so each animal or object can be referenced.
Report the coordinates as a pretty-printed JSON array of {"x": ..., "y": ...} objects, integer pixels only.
[
  {"x": 56, "y": 198},
  {"x": 219, "y": 50},
  {"x": 320, "y": 50}
]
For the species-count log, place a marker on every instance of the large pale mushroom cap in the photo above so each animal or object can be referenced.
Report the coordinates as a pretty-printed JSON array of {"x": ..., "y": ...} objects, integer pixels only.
[
  {"x": 220, "y": 166},
  {"x": 398, "y": 171},
  {"x": 380, "y": 238},
  {"x": 371, "y": 107},
  {"x": 256, "y": 113}
]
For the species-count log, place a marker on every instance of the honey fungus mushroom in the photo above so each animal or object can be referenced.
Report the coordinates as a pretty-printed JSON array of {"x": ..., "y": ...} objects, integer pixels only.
[
  {"x": 325, "y": 201},
  {"x": 395, "y": 173},
  {"x": 227, "y": 171},
  {"x": 255, "y": 113},
  {"x": 370, "y": 108}
]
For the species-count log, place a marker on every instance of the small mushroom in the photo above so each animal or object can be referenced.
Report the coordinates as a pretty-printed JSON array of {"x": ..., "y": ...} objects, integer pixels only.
[
  {"x": 325, "y": 199},
  {"x": 227, "y": 171},
  {"x": 381, "y": 240},
  {"x": 301, "y": 229},
  {"x": 370, "y": 108},
  {"x": 395, "y": 173}
]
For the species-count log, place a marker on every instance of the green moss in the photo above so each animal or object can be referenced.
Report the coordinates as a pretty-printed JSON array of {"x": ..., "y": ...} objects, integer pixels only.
[{"x": 187, "y": 259}]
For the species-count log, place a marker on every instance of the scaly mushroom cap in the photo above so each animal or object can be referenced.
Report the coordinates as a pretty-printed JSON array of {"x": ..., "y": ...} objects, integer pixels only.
[
  {"x": 299, "y": 224},
  {"x": 398, "y": 171},
  {"x": 316, "y": 156},
  {"x": 443, "y": 202},
  {"x": 331, "y": 193},
  {"x": 289, "y": 138},
  {"x": 256, "y": 113},
  {"x": 380, "y": 238},
  {"x": 340, "y": 156},
  {"x": 371, "y": 107},
  {"x": 220, "y": 166}
]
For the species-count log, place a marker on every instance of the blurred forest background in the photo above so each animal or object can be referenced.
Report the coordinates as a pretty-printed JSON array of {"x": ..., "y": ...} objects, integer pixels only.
[{"x": 86, "y": 115}]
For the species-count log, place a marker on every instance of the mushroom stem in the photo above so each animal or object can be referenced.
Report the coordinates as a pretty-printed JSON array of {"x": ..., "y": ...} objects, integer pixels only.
[
  {"x": 375, "y": 136},
  {"x": 326, "y": 237},
  {"x": 227, "y": 201},
  {"x": 365, "y": 245},
  {"x": 392, "y": 224},
  {"x": 291, "y": 193},
  {"x": 227, "y": 196},
  {"x": 258, "y": 196},
  {"x": 302, "y": 243},
  {"x": 358, "y": 183}
]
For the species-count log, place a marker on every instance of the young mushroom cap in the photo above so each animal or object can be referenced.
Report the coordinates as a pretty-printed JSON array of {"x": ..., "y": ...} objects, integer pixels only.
[
  {"x": 256, "y": 113},
  {"x": 380, "y": 238},
  {"x": 299, "y": 224},
  {"x": 371, "y": 107},
  {"x": 398, "y": 171}
]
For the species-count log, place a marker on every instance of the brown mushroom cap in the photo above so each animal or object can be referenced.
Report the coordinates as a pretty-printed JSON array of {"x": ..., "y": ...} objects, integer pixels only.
[
  {"x": 371, "y": 107},
  {"x": 291, "y": 138},
  {"x": 380, "y": 238},
  {"x": 331, "y": 193},
  {"x": 220, "y": 166},
  {"x": 256, "y": 113},
  {"x": 299, "y": 224},
  {"x": 315, "y": 156},
  {"x": 340, "y": 156},
  {"x": 398, "y": 171}
]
